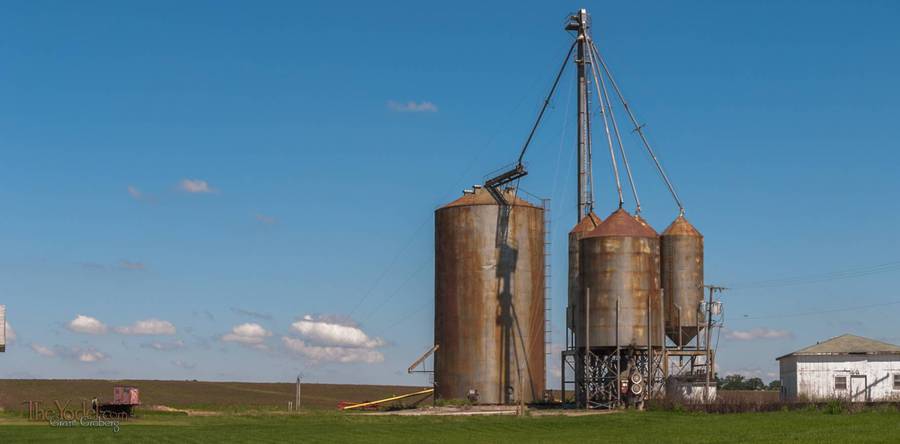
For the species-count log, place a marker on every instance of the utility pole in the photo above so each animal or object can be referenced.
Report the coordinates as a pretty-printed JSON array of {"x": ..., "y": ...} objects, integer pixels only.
[
  {"x": 521, "y": 393},
  {"x": 710, "y": 365},
  {"x": 579, "y": 23},
  {"x": 297, "y": 400}
]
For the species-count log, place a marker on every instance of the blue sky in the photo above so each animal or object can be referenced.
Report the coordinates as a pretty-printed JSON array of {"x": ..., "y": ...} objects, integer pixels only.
[{"x": 243, "y": 176}]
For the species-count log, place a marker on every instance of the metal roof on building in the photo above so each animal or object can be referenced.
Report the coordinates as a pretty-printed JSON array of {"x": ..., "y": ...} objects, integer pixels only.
[{"x": 847, "y": 345}]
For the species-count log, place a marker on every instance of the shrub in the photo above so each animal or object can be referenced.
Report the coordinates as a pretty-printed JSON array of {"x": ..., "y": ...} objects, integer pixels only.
[{"x": 834, "y": 407}]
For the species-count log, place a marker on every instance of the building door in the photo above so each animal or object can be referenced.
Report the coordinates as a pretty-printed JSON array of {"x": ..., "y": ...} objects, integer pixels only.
[{"x": 858, "y": 388}]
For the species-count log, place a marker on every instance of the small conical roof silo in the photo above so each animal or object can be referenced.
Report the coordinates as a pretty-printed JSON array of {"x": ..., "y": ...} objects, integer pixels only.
[
  {"x": 681, "y": 272},
  {"x": 587, "y": 223}
]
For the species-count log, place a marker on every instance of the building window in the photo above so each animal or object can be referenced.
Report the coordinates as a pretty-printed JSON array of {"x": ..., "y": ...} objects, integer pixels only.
[
  {"x": 896, "y": 381},
  {"x": 840, "y": 383}
]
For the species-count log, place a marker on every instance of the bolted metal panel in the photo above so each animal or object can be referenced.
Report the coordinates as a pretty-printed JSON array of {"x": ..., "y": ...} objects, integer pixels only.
[
  {"x": 587, "y": 224},
  {"x": 681, "y": 272},
  {"x": 620, "y": 262},
  {"x": 489, "y": 300}
]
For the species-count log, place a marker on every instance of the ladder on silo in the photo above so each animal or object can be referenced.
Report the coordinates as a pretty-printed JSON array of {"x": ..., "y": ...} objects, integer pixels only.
[{"x": 548, "y": 306}]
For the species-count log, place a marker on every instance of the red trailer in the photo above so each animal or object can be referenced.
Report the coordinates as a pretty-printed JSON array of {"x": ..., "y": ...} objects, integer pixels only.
[{"x": 125, "y": 398}]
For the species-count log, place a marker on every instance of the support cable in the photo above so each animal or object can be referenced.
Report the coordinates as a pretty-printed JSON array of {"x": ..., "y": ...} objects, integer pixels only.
[
  {"x": 562, "y": 139},
  {"x": 638, "y": 128},
  {"x": 540, "y": 116},
  {"x": 612, "y": 117},
  {"x": 612, "y": 152},
  {"x": 589, "y": 141}
]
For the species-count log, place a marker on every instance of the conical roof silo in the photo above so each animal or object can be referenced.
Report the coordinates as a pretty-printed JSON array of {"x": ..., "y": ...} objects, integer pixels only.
[
  {"x": 682, "y": 280},
  {"x": 586, "y": 224},
  {"x": 620, "y": 270}
]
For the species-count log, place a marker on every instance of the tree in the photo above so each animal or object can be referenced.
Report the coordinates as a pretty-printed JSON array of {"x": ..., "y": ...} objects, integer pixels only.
[
  {"x": 740, "y": 382},
  {"x": 732, "y": 382},
  {"x": 775, "y": 385},
  {"x": 754, "y": 384}
]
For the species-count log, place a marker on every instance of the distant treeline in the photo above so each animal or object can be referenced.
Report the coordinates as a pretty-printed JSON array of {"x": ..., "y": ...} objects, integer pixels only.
[{"x": 739, "y": 382}]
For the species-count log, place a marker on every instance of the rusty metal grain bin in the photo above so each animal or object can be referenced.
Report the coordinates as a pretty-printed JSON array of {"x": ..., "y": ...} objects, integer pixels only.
[
  {"x": 620, "y": 262},
  {"x": 586, "y": 224},
  {"x": 489, "y": 300},
  {"x": 681, "y": 272}
]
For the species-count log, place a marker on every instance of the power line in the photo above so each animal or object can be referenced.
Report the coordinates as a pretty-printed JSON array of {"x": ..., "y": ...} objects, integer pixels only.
[
  {"x": 409, "y": 279},
  {"x": 820, "y": 277},
  {"x": 389, "y": 267},
  {"x": 406, "y": 316},
  {"x": 791, "y": 281},
  {"x": 812, "y": 313}
]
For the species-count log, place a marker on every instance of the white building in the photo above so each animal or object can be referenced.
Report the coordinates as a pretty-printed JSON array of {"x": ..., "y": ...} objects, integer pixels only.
[{"x": 846, "y": 367}]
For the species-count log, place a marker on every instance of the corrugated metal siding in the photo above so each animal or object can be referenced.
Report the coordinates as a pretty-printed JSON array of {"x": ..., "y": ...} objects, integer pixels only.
[
  {"x": 788, "y": 376},
  {"x": 815, "y": 376}
]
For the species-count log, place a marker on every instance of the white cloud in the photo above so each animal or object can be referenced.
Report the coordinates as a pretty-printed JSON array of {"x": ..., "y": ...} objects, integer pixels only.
[
  {"x": 148, "y": 327},
  {"x": 251, "y": 313},
  {"x": 164, "y": 346},
  {"x": 93, "y": 266},
  {"x": 89, "y": 355},
  {"x": 195, "y": 186},
  {"x": 42, "y": 350},
  {"x": 754, "y": 372},
  {"x": 555, "y": 371},
  {"x": 88, "y": 325},
  {"x": 10, "y": 334},
  {"x": 322, "y": 332},
  {"x": 332, "y": 354},
  {"x": 412, "y": 106},
  {"x": 131, "y": 265},
  {"x": 248, "y": 334},
  {"x": 74, "y": 353},
  {"x": 268, "y": 220},
  {"x": 183, "y": 364},
  {"x": 333, "y": 339},
  {"x": 757, "y": 333},
  {"x": 139, "y": 195},
  {"x": 134, "y": 192}
]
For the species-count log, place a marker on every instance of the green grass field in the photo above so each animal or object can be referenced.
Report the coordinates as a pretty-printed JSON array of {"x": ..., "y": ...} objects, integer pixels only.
[
  {"x": 798, "y": 426},
  {"x": 256, "y": 412}
]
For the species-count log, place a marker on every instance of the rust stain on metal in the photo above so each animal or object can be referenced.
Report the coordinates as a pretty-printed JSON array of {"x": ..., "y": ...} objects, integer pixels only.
[
  {"x": 621, "y": 223},
  {"x": 586, "y": 224},
  {"x": 489, "y": 300},
  {"x": 642, "y": 221},
  {"x": 620, "y": 262},
  {"x": 682, "y": 280},
  {"x": 681, "y": 227},
  {"x": 481, "y": 197}
]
